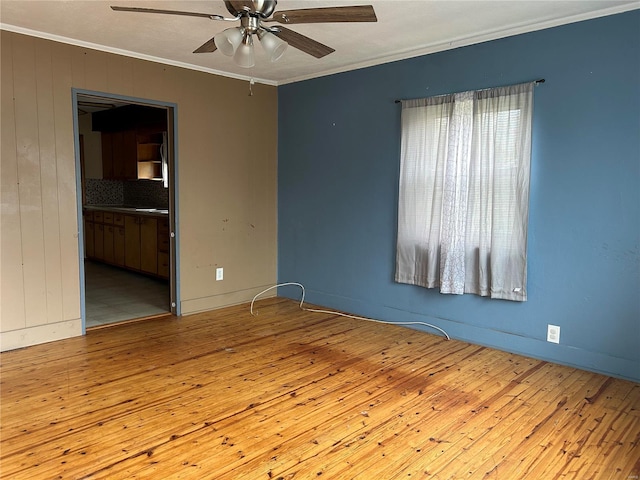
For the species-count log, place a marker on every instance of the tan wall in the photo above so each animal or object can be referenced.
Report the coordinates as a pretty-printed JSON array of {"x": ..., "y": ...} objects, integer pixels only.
[{"x": 226, "y": 193}]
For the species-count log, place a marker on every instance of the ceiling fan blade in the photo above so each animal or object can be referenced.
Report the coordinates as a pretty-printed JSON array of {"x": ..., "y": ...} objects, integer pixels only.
[
  {"x": 206, "y": 47},
  {"x": 361, "y": 13},
  {"x": 211, "y": 16},
  {"x": 306, "y": 44}
]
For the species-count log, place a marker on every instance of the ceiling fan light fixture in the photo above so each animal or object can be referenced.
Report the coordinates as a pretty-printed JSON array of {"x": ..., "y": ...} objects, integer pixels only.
[
  {"x": 274, "y": 46},
  {"x": 229, "y": 40},
  {"x": 244, "y": 53},
  {"x": 238, "y": 42}
]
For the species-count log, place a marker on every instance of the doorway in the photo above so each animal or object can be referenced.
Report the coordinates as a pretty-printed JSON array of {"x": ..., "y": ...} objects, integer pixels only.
[{"x": 125, "y": 166}]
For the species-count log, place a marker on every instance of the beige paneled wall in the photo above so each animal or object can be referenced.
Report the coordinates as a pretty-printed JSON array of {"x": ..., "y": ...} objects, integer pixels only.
[{"x": 226, "y": 169}]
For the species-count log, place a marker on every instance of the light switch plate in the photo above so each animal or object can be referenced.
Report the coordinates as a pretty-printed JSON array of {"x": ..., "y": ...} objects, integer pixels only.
[{"x": 219, "y": 274}]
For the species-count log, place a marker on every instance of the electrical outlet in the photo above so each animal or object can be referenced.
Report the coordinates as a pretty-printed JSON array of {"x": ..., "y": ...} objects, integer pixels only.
[
  {"x": 219, "y": 274},
  {"x": 553, "y": 333}
]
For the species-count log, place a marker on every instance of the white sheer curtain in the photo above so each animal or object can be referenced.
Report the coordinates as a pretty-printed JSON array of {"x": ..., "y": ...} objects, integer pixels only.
[{"x": 464, "y": 192}]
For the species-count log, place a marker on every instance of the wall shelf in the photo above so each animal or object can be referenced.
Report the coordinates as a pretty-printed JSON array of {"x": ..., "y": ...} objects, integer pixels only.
[{"x": 149, "y": 155}]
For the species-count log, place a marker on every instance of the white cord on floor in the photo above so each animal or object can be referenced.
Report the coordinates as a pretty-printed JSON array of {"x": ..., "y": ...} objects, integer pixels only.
[{"x": 339, "y": 313}]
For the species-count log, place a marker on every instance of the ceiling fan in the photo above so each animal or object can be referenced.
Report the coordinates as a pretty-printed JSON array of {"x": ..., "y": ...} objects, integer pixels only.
[{"x": 254, "y": 16}]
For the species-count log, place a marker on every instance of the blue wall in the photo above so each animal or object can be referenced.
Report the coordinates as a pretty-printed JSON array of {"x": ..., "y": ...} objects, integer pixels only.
[{"x": 338, "y": 179}]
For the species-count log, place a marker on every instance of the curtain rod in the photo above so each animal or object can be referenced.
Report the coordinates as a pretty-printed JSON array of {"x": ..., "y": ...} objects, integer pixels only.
[{"x": 537, "y": 82}]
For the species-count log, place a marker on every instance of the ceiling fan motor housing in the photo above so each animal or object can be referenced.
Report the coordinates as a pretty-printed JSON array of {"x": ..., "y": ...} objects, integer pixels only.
[
  {"x": 262, "y": 8},
  {"x": 250, "y": 24}
]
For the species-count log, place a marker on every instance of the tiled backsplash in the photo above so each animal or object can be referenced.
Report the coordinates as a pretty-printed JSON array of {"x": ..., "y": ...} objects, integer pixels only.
[
  {"x": 144, "y": 193},
  {"x": 103, "y": 192},
  {"x": 147, "y": 193}
]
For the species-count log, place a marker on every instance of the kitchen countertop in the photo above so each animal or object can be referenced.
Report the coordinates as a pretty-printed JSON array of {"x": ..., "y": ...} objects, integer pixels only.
[{"x": 152, "y": 212}]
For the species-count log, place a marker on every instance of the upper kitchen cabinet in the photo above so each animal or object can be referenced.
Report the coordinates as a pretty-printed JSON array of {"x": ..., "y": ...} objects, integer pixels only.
[
  {"x": 149, "y": 155},
  {"x": 119, "y": 160},
  {"x": 132, "y": 141},
  {"x": 130, "y": 117}
]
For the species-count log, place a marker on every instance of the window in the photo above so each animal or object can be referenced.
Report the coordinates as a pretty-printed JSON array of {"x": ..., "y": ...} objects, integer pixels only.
[{"x": 464, "y": 192}]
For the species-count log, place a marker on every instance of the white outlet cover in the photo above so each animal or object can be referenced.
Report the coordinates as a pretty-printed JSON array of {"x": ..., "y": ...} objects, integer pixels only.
[
  {"x": 219, "y": 273},
  {"x": 553, "y": 333}
]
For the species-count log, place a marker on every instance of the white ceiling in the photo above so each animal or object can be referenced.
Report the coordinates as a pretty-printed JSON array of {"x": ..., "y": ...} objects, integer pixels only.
[{"x": 405, "y": 28}]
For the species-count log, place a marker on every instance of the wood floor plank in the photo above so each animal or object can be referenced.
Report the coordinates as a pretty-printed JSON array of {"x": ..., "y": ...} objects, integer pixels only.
[{"x": 292, "y": 394}]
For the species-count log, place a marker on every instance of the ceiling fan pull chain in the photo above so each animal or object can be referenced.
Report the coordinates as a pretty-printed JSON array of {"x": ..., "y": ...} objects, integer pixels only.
[{"x": 251, "y": 82}]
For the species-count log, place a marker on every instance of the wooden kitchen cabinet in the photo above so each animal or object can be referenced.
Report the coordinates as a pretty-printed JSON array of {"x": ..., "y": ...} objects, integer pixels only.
[
  {"x": 141, "y": 243},
  {"x": 118, "y": 245},
  {"x": 136, "y": 242},
  {"x": 89, "y": 235},
  {"x": 148, "y": 154},
  {"x": 107, "y": 238},
  {"x": 119, "y": 158},
  {"x": 163, "y": 248},
  {"x": 109, "y": 254},
  {"x": 118, "y": 239},
  {"x": 131, "y": 155},
  {"x": 129, "y": 117},
  {"x": 132, "y": 242},
  {"x": 98, "y": 241},
  {"x": 132, "y": 138},
  {"x": 149, "y": 244},
  {"x": 107, "y": 156},
  {"x": 163, "y": 264}
]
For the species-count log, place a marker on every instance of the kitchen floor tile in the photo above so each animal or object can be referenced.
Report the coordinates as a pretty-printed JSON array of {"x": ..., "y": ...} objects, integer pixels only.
[{"x": 115, "y": 295}]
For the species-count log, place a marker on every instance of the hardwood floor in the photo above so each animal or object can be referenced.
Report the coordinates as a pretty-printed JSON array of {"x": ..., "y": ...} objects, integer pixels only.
[{"x": 291, "y": 394}]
